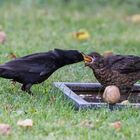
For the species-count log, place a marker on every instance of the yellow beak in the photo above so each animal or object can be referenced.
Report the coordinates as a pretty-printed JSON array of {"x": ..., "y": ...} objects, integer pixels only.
[{"x": 87, "y": 59}]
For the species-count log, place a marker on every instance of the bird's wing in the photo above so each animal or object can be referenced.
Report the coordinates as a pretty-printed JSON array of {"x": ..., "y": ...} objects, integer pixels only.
[
  {"x": 124, "y": 64},
  {"x": 21, "y": 65}
]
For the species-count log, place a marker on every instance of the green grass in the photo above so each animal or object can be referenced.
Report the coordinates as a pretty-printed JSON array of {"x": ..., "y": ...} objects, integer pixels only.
[{"x": 37, "y": 26}]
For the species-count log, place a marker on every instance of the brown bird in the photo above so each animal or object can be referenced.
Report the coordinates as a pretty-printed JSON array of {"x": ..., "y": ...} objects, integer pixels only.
[{"x": 120, "y": 70}]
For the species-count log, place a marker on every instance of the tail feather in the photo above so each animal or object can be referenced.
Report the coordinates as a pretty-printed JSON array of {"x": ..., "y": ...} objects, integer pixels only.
[{"x": 6, "y": 73}]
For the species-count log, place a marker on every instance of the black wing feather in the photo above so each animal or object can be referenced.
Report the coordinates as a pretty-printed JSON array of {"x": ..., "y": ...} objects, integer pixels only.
[{"x": 30, "y": 65}]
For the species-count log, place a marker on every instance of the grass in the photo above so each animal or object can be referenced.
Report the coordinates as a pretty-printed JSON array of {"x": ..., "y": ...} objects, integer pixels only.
[{"x": 37, "y": 26}]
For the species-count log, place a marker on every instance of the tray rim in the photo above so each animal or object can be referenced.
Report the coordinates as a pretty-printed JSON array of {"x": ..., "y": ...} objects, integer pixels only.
[{"x": 80, "y": 103}]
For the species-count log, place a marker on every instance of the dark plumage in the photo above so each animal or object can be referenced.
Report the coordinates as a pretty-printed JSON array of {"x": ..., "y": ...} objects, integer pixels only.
[
  {"x": 35, "y": 68},
  {"x": 122, "y": 71}
]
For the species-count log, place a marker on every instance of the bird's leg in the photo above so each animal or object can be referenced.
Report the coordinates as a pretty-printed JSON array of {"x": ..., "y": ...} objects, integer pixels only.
[
  {"x": 23, "y": 87},
  {"x": 26, "y": 87},
  {"x": 13, "y": 82}
]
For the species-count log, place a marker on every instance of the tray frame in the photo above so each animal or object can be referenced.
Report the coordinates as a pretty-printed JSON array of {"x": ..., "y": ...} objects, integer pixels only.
[{"x": 68, "y": 89}]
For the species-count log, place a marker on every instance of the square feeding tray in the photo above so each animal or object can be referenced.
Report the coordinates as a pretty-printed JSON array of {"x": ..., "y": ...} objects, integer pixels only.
[{"x": 89, "y": 95}]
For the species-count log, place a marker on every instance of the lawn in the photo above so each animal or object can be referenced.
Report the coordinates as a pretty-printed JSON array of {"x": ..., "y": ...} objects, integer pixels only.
[{"x": 38, "y": 26}]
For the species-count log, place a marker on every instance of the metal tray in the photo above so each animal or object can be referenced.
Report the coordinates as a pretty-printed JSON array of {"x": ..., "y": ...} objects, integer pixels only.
[{"x": 89, "y": 95}]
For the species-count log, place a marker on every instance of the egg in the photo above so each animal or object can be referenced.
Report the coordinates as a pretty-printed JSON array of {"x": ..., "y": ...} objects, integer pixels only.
[{"x": 111, "y": 94}]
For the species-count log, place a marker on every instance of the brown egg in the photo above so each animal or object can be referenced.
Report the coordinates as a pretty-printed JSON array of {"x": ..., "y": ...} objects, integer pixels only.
[{"x": 111, "y": 94}]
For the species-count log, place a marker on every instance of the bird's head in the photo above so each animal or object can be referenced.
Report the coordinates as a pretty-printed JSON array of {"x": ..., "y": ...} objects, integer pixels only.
[
  {"x": 94, "y": 60},
  {"x": 69, "y": 56}
]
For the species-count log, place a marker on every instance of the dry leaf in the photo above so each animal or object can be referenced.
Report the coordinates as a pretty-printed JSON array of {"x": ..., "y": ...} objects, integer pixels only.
[
  {"x": 125, "y": 102},
  {"x": 25, "y": 123},
  {"x": 87, "y": 123},
  {"x": 5, "y": 129},
  {"x": 135, "y": 18},
  {"x": 117, "y": 125},
  {"x": 107, "y": 53},
  {"x": 81, "y": 35},
  {"x": 8, "y": 107},
  {"x": 2, "y": 37},
  {"x": 12, "y": 55}
]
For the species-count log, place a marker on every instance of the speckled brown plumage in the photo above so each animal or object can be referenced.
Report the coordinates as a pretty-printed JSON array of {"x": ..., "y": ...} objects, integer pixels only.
[{"x": 119, "y": 70}]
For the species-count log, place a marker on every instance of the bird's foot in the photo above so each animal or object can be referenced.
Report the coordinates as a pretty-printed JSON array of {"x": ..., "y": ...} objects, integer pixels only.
[
  {"x": 13, "y": 82},
  {"x": 26, "y": 88}
]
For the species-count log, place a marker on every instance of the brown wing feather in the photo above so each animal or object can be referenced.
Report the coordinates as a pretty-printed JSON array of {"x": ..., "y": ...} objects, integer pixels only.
[{"x": 124, "y": 64}]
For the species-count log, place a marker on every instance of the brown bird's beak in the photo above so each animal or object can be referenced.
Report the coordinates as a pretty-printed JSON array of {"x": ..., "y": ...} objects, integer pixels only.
[{"x": 87, "y": 59}]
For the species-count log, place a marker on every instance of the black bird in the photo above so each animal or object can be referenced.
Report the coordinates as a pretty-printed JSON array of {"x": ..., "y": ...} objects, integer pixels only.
[
  {"x": 120, "y": 70},
  {"x": 36, "y": 68}
]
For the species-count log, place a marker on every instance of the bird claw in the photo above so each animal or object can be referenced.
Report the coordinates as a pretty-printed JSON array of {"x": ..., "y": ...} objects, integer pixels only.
[
  {"x": 27, "y": 88},
  {"x": 13, "y": 82}
]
